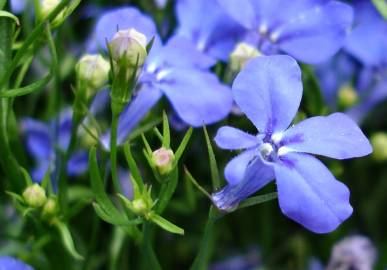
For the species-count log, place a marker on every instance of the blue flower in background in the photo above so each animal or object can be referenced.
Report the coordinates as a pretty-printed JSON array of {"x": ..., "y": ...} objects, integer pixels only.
[
  {"x": 17, "y": 6},
  {"x": 309, "y": 30},
  {"x": 365, "y": 59},
  {"x": 269, "y": 90},
  {"x": 44, "y": 139},
  {"x": 176, "y": 70},
  {"x": 205, "y": 24},
  {"x": 10, "y": 263}
]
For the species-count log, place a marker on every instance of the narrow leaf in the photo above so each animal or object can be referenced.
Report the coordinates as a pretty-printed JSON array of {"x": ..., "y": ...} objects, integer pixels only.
[
  {"x": 9, "y": 15},
  {"x": 133, "y": 167},
  {"x": 166, "y": 132},
  {"x": 27, "y": 177},
  {"x": 213, "y": 165},
  {"x": 183, "y": 145},
  {"x": 166, "y": 225},
  {"x": 258, "y": 199},
  {"x": 67, "y": 240},
  {"x": 25, "y": 90},
  {"x": 195, "y": 183}
]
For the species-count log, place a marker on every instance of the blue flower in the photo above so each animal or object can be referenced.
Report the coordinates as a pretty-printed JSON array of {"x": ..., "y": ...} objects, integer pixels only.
[
  {"x": 43, "y": 140},
  {"x": 176, "y": 70},
  {"x": 18, "y": 6},
  {"x": 213, "y": 31},
  {"x": 309, "y": 30},
  {"x": 363, "y": 60},
  {"x": 269, "y": 90},
  {"x": 10, "y": 263}
]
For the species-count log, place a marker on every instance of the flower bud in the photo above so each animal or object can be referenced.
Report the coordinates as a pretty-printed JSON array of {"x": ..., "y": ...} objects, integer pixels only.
[
  {"x": 129, "y": 46},
  {"x": 242, "y": 53},
  {"x": 347, "y": 96},
  {"x": 139, "y": 206},
  {"x": 379, "y": 144},
  {"x": 50, "y": 207},
  {"x": 35, "y": 196},
  {"x": 92, "y": 71},
  {"x": 163, "y": 160},
  {"x": 46, "y": 7}
]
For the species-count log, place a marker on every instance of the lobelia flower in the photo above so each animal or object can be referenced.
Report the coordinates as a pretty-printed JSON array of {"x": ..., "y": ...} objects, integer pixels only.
[
  {"x": 10, "y": 263},
  {"x": 43, "y": 139},
  {"x": 362, "y": 60},
  {"x": 269, "y": 90},
  {"x": 212, "y": 32},
  {"x": 309, "y": 30},
  {"x": 175, "y": 70}
]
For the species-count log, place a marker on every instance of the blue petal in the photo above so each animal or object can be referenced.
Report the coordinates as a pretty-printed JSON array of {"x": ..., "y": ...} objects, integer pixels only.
[
  {"x": 126, "y": 183},
  {"x": 310, "y": 195},
  {"x": 236, "y": 168},
  {"x": 38, "y": 172},
  {"x": 212, "y": 31},
  {"x": 38, "y": 138},
  {"x": 241, "y": 11},
  {"x": 18, "y": 6},
  {"x": 10, "y": 263},
  {"x": 335, "y": 136},
  {"x": 134, "y": 113},
  {"x": 269, "y": 90},
  {"x": 78, "y": 163},
  {"x": 100, "y": 102},
  {"x": 232, "y": 139},
  {"x": 63, "y": 131},
  {"x": 254, "y": 176},
  {"x": 197, "y": 97},
  {"x": 315, "y": 34},
  {"x": 120, "y": 18},
  {"x": 368, "y": 40}
]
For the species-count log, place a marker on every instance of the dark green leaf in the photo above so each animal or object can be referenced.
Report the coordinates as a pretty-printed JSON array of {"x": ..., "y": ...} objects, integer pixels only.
[
  {"x": 213, "y": 165},
  {"x": 165, "y": 224},
  {"x": 258, "y": 199}
]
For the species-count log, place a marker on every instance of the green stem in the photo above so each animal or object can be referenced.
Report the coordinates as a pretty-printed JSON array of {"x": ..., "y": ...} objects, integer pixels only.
[
  {"x": 149, "y": 255},
  {"x": 207, "y": 243},
  {"x": 113, "y": 151}
]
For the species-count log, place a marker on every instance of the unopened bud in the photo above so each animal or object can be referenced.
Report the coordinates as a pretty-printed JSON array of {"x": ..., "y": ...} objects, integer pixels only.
[
  {"x": 163, "y": 160},
  {"x": 139, "y": 206},
  {"x": 47, "y": 6},
  {"x": 379, "y": 144},
  {"x": 242, "y": 53},
  {"x": 129, "y": 46},
  {"x": 50, "y": 207},
  {"x": 35, "y": 196},
  {"x": 347, "y": 96},
  {"x": 93, "y": 70}
]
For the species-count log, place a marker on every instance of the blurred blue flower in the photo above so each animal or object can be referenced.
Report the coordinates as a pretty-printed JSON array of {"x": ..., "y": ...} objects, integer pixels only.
[
  {"x": 252, "y": 259},
  {"x": 43, "y": 140},
  {"x": 213, "y": 31},
  {"x": 10, "y": 263},
  {"x": 363, "y": 62},
  {"x": 176, "y": 70},
  {"x": 309, "y": 30},
  {"x": 17, "y": 6},
  {"x": 269, "y": 90}
]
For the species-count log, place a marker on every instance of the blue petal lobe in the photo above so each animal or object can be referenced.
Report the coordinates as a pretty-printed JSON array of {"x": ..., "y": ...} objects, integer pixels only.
[
  {"x": 233, "y": 138},
  {"x": 78, "y": 163},
  {"x": 197, "y": 97},
  {"x": 38, "y": 138},
  {"x": 269, "y": 90},
  {"x": 10, "y": 263},
  {"x": 335, "y": 136},
  {"x": 309, "y": 194}
]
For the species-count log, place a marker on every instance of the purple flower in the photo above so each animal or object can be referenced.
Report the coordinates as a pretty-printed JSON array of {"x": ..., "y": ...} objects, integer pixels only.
[
  {"x": 177, "y": 71},
  {"x": 309, "y": 30},
  {"x": 213, "y": 31},
  {"x": 269, "y": 90},
  {"x": 43, "y": 140},
  {"x": 363, "y": 61},
  {"x": 10, "y": 263}
]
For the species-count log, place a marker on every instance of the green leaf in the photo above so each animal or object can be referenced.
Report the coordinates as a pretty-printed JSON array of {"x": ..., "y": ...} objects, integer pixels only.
[
  {"x": 165, "y": 224},
  {"x": 258, "y": 199},
  {"x": 213, "y": 164},
  {"x": 9, "y": 15},
  {"x": 25, "y": 90},
  {"x": 15, "y": 196},
  {"x": 133, "y": 167},
  {"x": 381, "y": 6},
  {"x": 99, "y": 190},
  {"x": 195, "y": 183},
  {"x": 183, "y": 145},
  {"x": 27, "y": 177},
  {"x": 166, "y": 132},
  {"x": 67, "y": 240}
]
